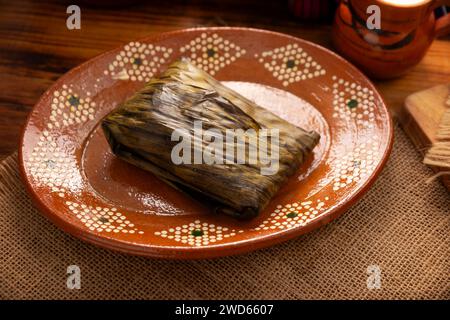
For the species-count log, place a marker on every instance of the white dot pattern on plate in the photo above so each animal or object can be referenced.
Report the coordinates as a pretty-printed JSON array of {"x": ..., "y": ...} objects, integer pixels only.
[
  {"x": 293, "y": 215},
  {"x": 102, "y": 219},
  {"x": 211, "y": 52},
  {"x": 52, "y": 166},
  {"x": 356, "y": 165},
  {"x": 198, "y": 233},
  {"x": 138, "y": 61},
  {"x": 290, "y": 64},
  {"x": 68, "y": 108},
  {"x": 55, "y": 167},
  {"x": 351, "y": 101},
  {"x": 50, "y": 163}
]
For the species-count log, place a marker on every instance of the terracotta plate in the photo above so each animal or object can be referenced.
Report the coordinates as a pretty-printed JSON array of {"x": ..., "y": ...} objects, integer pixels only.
[{"x": 77, "y": 182}]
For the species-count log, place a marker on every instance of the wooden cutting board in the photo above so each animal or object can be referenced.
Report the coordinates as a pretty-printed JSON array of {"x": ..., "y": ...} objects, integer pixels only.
[{"x": 421, "y": 115}]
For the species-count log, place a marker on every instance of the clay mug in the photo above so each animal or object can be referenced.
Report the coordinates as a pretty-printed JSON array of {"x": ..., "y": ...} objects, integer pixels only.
[{"x": 405, "y": 31}]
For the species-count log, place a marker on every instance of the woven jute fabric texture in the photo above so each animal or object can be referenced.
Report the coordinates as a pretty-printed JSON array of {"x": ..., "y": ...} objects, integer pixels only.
[{"x": 401, "y": 225}]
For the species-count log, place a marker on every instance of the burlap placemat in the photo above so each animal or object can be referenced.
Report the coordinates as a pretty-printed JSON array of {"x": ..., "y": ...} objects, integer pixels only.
[{"x": 402, "y": 225}]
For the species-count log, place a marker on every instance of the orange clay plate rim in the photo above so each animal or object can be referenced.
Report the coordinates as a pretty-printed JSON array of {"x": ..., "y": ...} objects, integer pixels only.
[{"x": 63, "y": 159}]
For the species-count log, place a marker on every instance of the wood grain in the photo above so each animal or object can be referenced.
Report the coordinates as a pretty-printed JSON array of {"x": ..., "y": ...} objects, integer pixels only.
[{"x": 36, "y": 48}]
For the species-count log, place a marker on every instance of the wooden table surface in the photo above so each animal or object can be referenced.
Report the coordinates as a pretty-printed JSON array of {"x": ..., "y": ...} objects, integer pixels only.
[{"x": 36, "y": 48}]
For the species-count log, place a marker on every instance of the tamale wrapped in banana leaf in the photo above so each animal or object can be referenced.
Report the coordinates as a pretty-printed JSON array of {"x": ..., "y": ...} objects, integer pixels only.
[{"x": 140, "y": 131}]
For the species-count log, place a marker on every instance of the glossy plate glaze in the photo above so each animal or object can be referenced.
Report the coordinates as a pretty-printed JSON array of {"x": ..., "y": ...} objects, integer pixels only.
[{"x": 77, "y": 182}]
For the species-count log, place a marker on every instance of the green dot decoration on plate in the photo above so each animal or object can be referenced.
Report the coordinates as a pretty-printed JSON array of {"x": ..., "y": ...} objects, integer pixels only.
[
  {"x": 137, "y": 61},
  {"x": 74, "y": 101},
  {"x": 197, "y": 233},
  {"x": 290, "y": 63},
  {"x": 292, "y": 215},
  {"x": 50, "y": 164},
  {"x": 352, "y": 103},
  {"x": 103, "y": 219}
]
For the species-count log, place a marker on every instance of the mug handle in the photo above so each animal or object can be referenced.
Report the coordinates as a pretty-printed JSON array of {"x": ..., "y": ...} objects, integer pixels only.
[{"x": 442, "y": 26}]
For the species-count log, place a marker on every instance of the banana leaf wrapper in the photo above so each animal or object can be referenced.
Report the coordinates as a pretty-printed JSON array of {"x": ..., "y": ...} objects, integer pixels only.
[{"x": 139, "y": 131}]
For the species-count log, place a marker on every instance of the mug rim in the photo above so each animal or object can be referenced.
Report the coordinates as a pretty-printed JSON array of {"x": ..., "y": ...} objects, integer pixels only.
[{"x": 418, "y": 3}]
